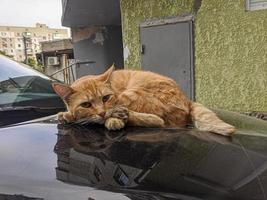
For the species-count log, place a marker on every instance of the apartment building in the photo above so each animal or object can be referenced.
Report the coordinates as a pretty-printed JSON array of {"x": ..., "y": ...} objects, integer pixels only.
[{"x": 21, "y": 42}]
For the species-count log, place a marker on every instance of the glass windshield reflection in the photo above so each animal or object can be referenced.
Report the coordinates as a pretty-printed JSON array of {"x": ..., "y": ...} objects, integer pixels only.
[
  {"x": 22, "y": 90},
  {"x": 25, "y": 94},
  {"x": 20, "y": 86}
]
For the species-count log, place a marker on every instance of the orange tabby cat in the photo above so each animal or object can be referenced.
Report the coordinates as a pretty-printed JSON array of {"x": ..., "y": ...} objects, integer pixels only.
[{"x": 137, "y": 98}]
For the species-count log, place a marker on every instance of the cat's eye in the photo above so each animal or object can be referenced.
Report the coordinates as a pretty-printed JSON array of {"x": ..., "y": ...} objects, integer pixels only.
[
  {"x": 86, "y": 105},
  {"x": 106, "y": 98}
]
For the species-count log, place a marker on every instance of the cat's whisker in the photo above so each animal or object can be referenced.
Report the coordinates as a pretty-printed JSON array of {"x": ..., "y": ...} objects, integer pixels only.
[
  {"x": 89, "y": 120},
  {"x": 81, "y": 121}
]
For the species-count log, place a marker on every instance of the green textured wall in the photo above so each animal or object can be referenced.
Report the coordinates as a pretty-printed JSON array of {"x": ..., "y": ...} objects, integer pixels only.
[
  {"x": 230, "y": 48},
  {"x": 231, "y": 56},
  {"x": 136, "y": 11}
]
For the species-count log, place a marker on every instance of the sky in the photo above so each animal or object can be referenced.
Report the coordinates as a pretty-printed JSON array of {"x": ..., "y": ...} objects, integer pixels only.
[{"x": 29, "y": 12}]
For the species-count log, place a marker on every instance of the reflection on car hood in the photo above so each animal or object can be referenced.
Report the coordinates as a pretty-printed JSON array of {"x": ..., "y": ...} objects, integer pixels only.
[{"x": 43, "y": 160}]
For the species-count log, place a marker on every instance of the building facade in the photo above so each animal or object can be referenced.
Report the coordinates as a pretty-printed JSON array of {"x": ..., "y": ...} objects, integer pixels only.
[
  {"x": 22, "y": 42},
  {"x": 96, "y": 34},
  {"x": 55, "y": 57},
  {"x": 229, "y": 47},
  {"x": 216, "y": 51}
]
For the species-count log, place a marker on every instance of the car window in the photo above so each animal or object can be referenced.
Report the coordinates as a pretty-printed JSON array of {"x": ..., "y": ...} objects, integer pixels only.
[
  {"x": 10, "y": 68},
  {"x": 20, "y": 85}
]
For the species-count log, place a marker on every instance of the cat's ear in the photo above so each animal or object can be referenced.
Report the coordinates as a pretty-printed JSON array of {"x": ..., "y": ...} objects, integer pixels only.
[
  {"x": 105, "y": 77},
  {"x": 62, "y": 90}
]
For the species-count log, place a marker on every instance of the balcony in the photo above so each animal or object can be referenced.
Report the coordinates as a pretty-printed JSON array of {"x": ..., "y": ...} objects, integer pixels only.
[{"x": 29, "y": 51}]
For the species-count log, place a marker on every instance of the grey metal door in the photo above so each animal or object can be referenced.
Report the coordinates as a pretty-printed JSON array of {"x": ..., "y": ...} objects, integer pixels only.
[{"x": 167, "y": 49}]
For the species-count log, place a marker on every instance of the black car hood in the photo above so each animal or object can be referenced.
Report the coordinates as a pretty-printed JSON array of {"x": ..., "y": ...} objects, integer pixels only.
[
  {"x": 28, "y": 165},
  {"x": 49, "y": 161}
]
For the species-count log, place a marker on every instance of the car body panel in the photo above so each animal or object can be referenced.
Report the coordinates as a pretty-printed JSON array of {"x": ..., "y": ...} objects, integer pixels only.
[
  {"x": 48, "y": 161},
  {"x": 28, "y": 164}
]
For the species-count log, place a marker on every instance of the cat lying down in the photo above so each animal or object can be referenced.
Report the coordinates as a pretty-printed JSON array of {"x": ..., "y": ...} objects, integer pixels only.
[{"x": 136, "y": 98}]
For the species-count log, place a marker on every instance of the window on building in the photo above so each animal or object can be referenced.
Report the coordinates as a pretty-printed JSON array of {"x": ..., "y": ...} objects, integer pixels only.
[
  {"x": 56, "y": 36},
  {"x": 19, "y": 45},
  {"x": 44, "y": 37},
  {"x": 120, "y": 176},
  {"x": 3, "y": 34},
  {"x": 20, "y": 56},
  {"x": 97, "y": 173},
  {"x": 27, "y": 34},
  {"x": 11, "y": 50},
  {"x": 256, "y": 4},
  {"x": 18, "y": 34}
]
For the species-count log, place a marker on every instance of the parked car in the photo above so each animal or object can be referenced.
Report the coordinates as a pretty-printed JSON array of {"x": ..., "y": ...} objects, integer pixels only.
[
  {"x": 25, "y": 94},
  {"x": 41, "y": 159}
]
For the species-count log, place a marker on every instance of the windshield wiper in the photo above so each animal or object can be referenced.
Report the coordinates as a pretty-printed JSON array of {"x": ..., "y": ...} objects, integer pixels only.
[
  {"x": 14, "y": 83},
  {"x": 27, "y": 108}
]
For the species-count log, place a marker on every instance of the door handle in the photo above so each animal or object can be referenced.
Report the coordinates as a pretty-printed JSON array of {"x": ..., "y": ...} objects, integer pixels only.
[{"x": 142, "y": 49}]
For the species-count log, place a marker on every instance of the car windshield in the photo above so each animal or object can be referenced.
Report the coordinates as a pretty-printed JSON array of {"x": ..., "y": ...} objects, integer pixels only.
[{"x": 22, "y": 88}]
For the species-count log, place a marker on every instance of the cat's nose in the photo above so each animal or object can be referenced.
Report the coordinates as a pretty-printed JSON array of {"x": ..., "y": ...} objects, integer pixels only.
[{"x": 102, "y": 114}]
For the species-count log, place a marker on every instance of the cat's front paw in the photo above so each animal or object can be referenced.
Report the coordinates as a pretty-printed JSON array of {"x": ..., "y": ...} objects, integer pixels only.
[
  {"x": 114, "y": 124},
  {"x": 119, "y": 112},
  {"x": 64, "y": 117}
]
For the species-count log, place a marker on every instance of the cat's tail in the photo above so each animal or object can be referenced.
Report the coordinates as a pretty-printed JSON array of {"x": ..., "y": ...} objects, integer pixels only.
[{"x": 206, "y": 120}]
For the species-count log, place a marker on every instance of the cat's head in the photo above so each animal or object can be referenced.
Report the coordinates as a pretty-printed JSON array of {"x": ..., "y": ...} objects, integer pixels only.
[{"x": 88, "y": 98}]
